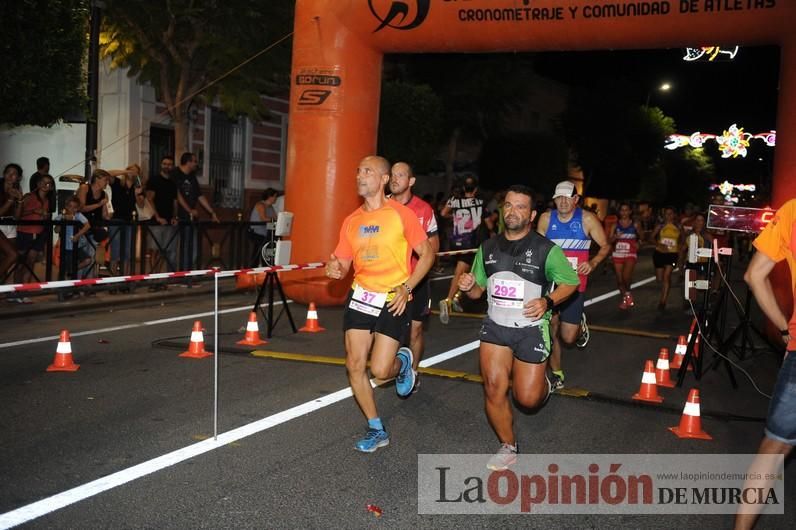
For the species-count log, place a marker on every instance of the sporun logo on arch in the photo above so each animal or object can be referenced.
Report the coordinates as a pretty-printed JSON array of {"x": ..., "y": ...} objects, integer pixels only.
[{"x": 395, "y": 15}]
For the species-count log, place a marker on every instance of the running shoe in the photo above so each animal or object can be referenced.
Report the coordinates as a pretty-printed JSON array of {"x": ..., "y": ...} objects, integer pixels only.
[
  {"x": 416, "y": 388},
  {"x": 556, "y": 382},
  {"x": 506, "y": 456},
  {"x": 444, "y": 311},
  {"x": 623, "y": 303},
  {"x": 630, "y": 302},
  {"x": 405, "y": 381},
  {"x": 456, "y": 305},
  {"x": 373, "y": 439},
  {"x": 583, "y": 339},
  {"x": 549, "y": 389}
]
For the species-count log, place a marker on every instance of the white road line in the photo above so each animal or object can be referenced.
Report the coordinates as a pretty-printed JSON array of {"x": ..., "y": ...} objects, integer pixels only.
[
  {"x": 148, "y": 323},
  {"x": 615, "y": 292},
  {"x": 50, "y": 504},
  {"x": 131, "y": 326}
]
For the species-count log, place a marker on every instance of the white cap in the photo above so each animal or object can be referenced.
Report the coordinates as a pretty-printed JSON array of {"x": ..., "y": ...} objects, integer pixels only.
[{"x": 565, "y": 188}]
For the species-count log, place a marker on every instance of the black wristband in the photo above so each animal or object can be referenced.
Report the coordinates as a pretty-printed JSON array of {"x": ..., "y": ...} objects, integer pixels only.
[
  {"x": 549, "y": 301},
  {"x": 784, "y": 332}
]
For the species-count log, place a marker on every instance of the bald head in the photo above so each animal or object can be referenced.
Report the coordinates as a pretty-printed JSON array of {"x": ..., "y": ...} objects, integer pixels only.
[{"x": 379, "y": 163}]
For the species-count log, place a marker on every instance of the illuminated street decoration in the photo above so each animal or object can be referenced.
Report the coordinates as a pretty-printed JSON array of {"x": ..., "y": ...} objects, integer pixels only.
[
  {"x": 709, "y": 52},
  {"x": 727, "y": 188},
  {"x": 732, "y": 143}
]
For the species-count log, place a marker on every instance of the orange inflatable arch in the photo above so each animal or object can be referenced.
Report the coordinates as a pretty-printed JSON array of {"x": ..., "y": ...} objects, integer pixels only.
[{"x": 338, "y": 48}]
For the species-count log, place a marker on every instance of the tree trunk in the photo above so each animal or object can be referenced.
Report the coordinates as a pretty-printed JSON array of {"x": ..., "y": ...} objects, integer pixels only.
[
  {"x": 453, "y": 146},
  {"x": 181, "y": 129}
]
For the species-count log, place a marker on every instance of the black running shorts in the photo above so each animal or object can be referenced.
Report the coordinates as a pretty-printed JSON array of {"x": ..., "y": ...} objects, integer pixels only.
[
  {"x": 421, "y": 301},
  {"x": 530, "y": 345}
]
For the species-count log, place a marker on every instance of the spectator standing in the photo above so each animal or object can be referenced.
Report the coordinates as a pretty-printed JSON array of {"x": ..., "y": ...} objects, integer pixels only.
[
  {"x": 10, "y": 199},
  {"x": 31, "y": 239},
  {"x": 189, "y": 195},
  {"x": 94, "y": 205},
  {"x": 125, "y": 187},
  {"x": 774, "y": 245},
  {"x": 75, "y": 239},
  {"x": 42, "y": 170},
  {"x": 161, "y": 193},
  {"x": 263, "y": 212}
]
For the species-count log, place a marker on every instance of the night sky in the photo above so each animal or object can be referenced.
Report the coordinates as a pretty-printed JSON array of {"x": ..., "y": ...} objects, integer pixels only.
[{"x": 705, "y": 96}]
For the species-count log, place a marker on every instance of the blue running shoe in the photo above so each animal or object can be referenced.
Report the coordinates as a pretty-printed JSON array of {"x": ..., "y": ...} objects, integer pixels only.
[
  {"x": 405, "y": 381},
  {"x": 373, "y": 439}
]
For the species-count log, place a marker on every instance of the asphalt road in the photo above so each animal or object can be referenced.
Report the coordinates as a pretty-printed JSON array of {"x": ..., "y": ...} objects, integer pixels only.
[{"x": 134, "y": 400}]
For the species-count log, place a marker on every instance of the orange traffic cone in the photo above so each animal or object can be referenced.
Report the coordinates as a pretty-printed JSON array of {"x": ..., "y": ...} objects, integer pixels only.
[
  {"x": 252, "y": 336},
  {"x": 649, "y": 389},
  {"x": 196, "y": 349},
  {"x": 662, "y": 369},
  {"x": 312, "y": 325},
  {"x": 679, "y": 353},
  {"x": 691, "y": 422},
  {"x": 63, "y": 355}
]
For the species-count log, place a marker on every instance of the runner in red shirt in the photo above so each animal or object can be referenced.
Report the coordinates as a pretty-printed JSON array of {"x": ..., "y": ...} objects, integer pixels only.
[{"x": 402, "y": 178}]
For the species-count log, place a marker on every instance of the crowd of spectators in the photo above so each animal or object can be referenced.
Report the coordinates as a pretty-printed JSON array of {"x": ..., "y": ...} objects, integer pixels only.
[{"x": 102, "y": 214}]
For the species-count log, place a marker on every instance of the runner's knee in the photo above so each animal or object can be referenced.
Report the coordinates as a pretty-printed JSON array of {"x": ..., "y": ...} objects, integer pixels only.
[
  {"x": 530, "y": 398},
  {"x": 496, "y": 386},
  {"x": 356, "y": 365},
  {"x": 569, "y": 334}
]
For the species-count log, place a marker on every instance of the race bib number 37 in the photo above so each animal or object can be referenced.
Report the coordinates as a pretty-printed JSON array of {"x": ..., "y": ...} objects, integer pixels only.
[{"x": 367, "y": 302}]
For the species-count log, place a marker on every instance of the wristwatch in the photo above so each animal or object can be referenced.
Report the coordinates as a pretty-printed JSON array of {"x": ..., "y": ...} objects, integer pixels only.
[
  {"x": 784, "y": 332},
  {"x": 549, "y": 301}
]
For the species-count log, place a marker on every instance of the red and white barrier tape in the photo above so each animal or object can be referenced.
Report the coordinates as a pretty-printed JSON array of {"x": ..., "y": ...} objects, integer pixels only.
[
  {"x": 38, "y": 286},
  {"x": 22, "y": 287}
]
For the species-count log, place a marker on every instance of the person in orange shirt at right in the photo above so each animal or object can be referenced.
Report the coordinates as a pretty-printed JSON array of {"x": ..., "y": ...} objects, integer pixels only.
[
  {"x": 378, "y": 239},
  {"x": 775, "y": 243}
]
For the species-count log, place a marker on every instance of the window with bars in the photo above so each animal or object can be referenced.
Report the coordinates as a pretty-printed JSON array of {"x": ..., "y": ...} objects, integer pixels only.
[{"x": 227, "y": 159}]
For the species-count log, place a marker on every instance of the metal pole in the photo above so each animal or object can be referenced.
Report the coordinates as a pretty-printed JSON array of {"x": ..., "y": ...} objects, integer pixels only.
[
  {"x": 93, "y": 85},
  {"x": 215, "y": 359}
]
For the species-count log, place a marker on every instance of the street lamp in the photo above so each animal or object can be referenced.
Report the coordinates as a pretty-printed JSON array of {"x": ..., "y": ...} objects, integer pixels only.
[{"x": 664, "y": 87}]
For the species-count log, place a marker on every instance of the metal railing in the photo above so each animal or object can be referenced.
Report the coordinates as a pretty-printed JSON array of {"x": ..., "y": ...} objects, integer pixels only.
[{"x": 145, "y": 247}]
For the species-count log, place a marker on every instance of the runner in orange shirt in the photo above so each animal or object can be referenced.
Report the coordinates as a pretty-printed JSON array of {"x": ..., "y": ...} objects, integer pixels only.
[
  {"x": 775, "y": 243},
  {"x": 378, "y": 239}
]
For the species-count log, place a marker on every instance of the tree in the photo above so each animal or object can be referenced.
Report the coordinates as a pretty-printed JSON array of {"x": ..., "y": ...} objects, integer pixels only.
[
  {"x": 688, "y": 172},
  {"x": 477, "y": 92},
  {"x": 43, "y": 58},
  {"x": 617, "y": 143},
  {"x": 538, "y": 160},
  {"x": 409, "y": 132},
  {"x": 183, "y": 46}
]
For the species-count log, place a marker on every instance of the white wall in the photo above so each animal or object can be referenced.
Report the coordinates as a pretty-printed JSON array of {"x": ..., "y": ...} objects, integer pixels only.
[
  {"x": 125, "y": 111},
  {"x": 63, "y": 144}
]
